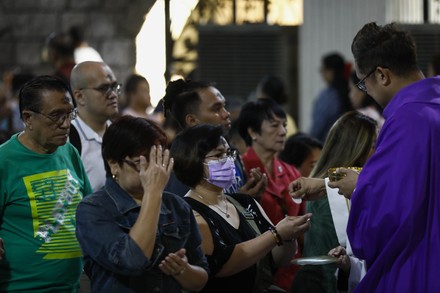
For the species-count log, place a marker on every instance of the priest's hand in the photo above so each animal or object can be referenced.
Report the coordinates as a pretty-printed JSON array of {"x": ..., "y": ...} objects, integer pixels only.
[
  {"x": 307, "y": 188},
  {"x": 347, "y": 183}
]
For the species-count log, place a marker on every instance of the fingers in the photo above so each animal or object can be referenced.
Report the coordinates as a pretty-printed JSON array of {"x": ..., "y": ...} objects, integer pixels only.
[
  {"x": 159, "y": 155},
  {"x": 161, "y": 158},
  {"x": 295, "y": 189},
  {"x": 174, "y": 264},
  {"x": 337, "y": 251},
  {"x": 170, "y": 165},
  {"x": 294, "y": 226},
  {"x": 333, "y": 184},
  {"x": 258, "y": 185}
]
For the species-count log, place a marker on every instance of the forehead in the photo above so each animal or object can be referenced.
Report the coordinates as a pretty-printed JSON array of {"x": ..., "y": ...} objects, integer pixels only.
[
  {"x": 275, "y": 118},
  {"x": 54, "y": 99},
  {"x": 222, "y": 146},
  {"x": 210, "y": 96},
  {"x": 102, "y": 74}
]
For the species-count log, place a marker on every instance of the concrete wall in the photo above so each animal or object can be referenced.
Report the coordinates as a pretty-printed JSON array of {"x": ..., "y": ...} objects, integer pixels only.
[{"x": 111, "y": 27}]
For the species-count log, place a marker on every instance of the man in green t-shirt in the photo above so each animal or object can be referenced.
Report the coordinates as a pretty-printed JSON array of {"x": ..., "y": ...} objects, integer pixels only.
[{"x": 42, "y": 180}]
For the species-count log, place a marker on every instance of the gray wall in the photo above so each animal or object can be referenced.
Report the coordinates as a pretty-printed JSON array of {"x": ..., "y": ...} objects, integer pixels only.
[
  {"x": 328, "y": 26},
  {"x": 111, "y": 27}
]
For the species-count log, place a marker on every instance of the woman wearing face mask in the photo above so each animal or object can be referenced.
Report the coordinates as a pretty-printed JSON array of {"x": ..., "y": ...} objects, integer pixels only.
[{"x": 230, "y": 225}]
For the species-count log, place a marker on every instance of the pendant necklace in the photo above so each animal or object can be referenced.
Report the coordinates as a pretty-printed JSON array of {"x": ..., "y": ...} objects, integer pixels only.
[{"x": 226, "y": 213}]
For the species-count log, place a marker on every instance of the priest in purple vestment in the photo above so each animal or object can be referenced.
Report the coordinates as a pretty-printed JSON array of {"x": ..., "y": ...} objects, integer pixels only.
[{"x": 394, "y": 222}]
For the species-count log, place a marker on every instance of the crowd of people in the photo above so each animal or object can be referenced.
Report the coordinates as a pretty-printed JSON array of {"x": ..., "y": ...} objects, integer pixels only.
[{"x": 100, "y": 193}]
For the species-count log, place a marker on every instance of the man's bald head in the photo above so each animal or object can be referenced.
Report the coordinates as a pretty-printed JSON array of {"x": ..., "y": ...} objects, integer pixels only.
[{"x": 84, "y": 74}]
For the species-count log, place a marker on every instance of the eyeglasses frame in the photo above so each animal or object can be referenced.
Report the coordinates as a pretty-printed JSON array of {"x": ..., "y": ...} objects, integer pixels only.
[
  {"x": 112, "y": 87},
  {"x": 62, "y": 118},
  {"x": 230, "y": 153},
  {"x": 361, "y": 84}
]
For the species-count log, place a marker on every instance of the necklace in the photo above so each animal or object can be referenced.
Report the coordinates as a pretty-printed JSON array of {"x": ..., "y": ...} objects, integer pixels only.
[{"x": 226, "y": 213}]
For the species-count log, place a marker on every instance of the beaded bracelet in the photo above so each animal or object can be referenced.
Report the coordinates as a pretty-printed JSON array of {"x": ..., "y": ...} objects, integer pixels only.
[{"x": 277, "y": 236}]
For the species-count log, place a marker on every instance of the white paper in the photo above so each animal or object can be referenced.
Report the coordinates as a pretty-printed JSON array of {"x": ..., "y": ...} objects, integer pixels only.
[{"x": 339, "y": 207}]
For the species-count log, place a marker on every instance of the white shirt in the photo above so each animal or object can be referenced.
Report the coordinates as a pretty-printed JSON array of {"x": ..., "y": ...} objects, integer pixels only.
[
  {"x": 83, "y": 54},
  {"x": 91, "y": 154}
]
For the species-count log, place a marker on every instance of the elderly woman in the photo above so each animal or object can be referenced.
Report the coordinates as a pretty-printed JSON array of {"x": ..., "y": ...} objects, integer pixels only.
[
  {"x": 135, "y": 237},
  {"x": 236, "y": 233},
  {"x": 350, "y": 142},
  {"x": 262, "y": 124}
]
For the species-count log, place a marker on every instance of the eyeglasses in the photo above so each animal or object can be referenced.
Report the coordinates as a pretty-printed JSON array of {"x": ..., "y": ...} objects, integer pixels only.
[
  {"x": 106, "y": 89},
  {"x": 60, "y": 118},
  {"x": 222, "y": 157},
  {"x": 134, "y": 165},
  {"x": 361, "y": 83}
]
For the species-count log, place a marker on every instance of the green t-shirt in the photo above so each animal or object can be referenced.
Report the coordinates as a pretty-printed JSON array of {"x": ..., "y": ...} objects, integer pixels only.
[{"x": 39, "y": 194}]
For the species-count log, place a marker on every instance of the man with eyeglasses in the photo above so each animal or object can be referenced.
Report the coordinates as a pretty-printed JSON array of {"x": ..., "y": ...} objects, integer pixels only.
[
  {"x": 192, "y": 103},
  {"x": 96, "y": 93},
  {"x": 394, "y": 219},
  {"x": 42, "y": 180}
]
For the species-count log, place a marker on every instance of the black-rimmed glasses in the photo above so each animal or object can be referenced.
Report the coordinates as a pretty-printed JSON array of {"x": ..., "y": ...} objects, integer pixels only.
[
  {"x": 106, "y": 89},
  {"x": 361, "y": 84},
  {"x": 222, "y": 157},
  {"x": 59, "y": 119}
]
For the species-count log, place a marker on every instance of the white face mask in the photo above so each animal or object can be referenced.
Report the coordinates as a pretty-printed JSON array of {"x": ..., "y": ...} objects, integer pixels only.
[{"x": 221, "y": 173}]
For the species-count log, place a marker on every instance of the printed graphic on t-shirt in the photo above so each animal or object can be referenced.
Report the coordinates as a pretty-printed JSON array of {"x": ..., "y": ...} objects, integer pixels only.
[{"x": 53, "y": 198}]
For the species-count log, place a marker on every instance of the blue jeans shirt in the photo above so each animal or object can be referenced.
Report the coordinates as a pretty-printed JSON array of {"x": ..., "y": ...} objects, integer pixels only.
[{"x": 113, "y": 261}]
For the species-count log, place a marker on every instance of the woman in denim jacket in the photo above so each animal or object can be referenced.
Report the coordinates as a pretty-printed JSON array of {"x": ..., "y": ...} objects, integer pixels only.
[{"x": 135, "y": 237}]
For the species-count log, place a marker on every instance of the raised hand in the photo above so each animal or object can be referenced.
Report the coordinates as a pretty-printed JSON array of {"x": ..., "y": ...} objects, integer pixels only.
[
  {"x": 156, "y": 173},
  {"x": 256, "y": 184}
]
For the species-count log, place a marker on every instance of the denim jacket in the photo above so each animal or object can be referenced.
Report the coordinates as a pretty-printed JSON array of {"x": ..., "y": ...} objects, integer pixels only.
[{"x": 113, "y": 261}]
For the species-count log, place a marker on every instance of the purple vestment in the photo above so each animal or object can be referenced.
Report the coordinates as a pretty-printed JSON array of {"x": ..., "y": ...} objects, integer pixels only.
[{"x": 394, "y": 221}]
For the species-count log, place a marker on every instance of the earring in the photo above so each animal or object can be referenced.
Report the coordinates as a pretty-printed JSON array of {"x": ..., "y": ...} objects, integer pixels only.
[
  {"x": 254, "y": 138},
  {"x": 115, "y": 177}
]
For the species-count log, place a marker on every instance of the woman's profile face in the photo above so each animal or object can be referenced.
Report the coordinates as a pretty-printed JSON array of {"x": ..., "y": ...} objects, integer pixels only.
[{"x": 272, "y": 135}]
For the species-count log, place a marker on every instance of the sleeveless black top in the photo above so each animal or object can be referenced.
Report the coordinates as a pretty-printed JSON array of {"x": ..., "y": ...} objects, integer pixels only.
[{"x": 225, "y": 237}]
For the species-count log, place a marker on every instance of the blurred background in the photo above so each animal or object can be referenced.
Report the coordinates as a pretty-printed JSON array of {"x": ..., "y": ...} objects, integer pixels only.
[{"x": 234, "y": 43}]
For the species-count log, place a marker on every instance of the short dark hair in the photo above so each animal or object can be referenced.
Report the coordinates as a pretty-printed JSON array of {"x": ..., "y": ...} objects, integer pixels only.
[
  {"x": 29, "y": 96},
  {"x": 181, "y": 98},
  {"x": 189, "y": 149},
  {"x": 298, "y": 147},
  {"x": 76, "y": 34},
  {"x": 254, "y": 113},
  {"x": 18, "y": 80},
  {"x": 61, "y": 43},
  {"x": 132, "y": 82},
  {"x": 130, "y": 136},
  {"x": 385, "y": 46}
]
